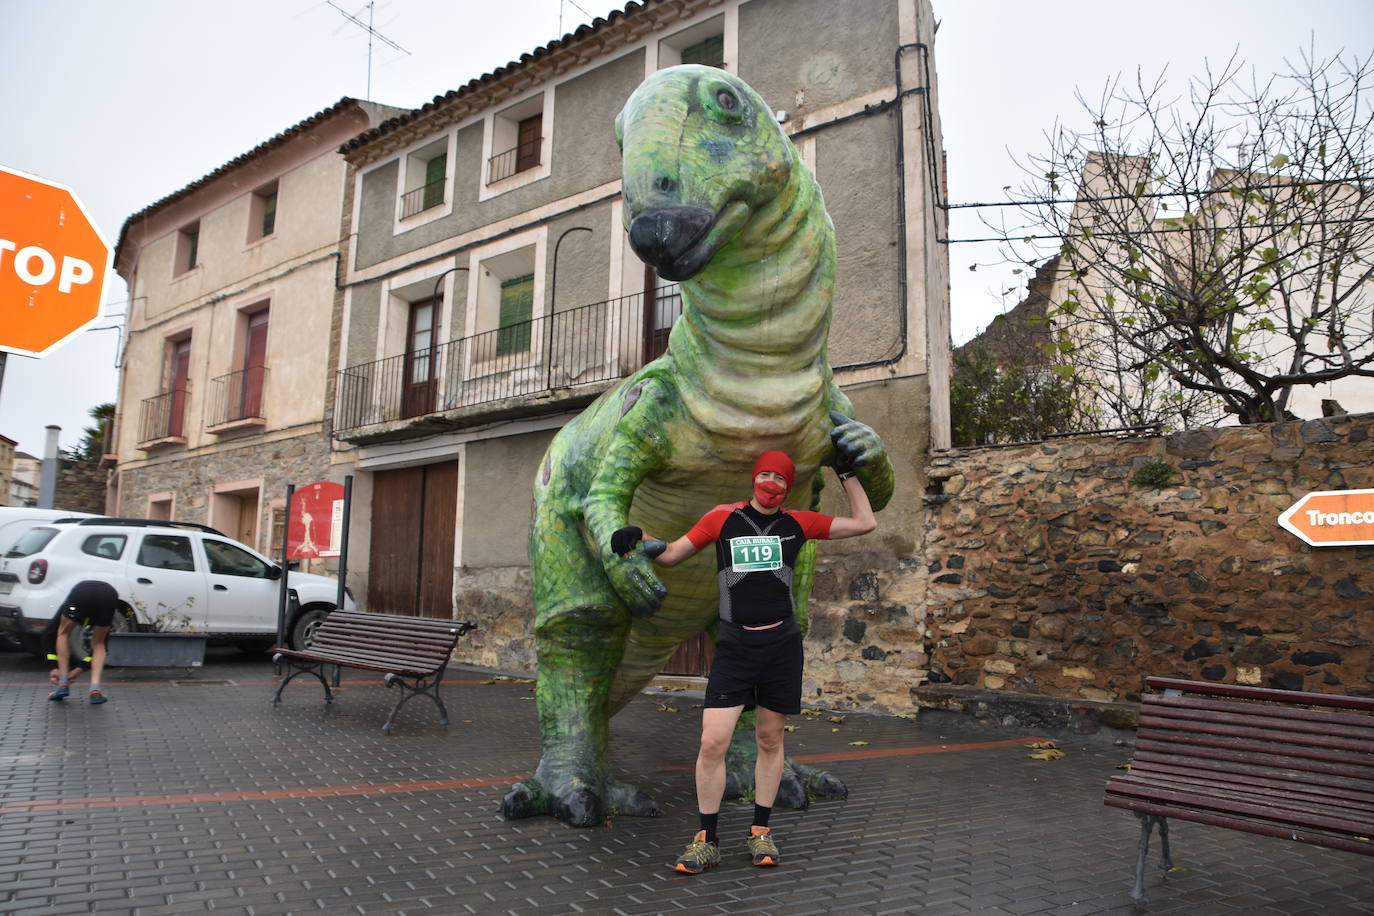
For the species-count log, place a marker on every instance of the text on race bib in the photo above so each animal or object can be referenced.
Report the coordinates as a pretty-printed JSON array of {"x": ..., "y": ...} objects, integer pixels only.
[{"x": 755, "y": 554}]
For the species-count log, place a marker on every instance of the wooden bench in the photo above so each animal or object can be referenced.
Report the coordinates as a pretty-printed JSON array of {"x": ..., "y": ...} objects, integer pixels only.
[
  {"x": 412, "y": 651},
  {"x": 1278, "y": 763}
]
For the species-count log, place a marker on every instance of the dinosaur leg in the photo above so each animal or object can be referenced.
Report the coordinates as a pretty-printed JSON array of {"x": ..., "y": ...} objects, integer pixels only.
[{"x": 577, "y": 657}]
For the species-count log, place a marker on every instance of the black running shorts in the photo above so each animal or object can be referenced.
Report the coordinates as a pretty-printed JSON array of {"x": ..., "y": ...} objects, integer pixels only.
[
  {"x": 757, "y": 668},
  {"x": 91, "y": 602}
]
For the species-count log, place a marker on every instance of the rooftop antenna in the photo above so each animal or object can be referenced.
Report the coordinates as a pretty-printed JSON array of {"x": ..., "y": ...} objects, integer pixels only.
[
  {"x": 561, "y": 4},
  {"x": 371, "y": 34}
]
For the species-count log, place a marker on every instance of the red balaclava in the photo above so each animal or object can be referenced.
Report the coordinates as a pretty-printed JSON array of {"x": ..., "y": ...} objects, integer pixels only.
[{"x": 769, "y": 493}]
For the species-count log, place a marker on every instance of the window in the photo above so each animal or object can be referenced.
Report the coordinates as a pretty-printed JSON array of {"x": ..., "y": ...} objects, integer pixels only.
[
  {"x": 703, "y": 43},
  {"x": 187, "y": 249},
  {"x": 517, "y": 308},
  {"x": 227, "y": 559},
  {"x": 254, "y": 365},
  {"x": 107, "y": 546},
  {"x": 31, "y": 541},
  {"x": 166, "y": 551},
  {"x": 425, "y": 178},
  {"x": 517, "y": 140},
  {"x": 708, "y": 53},
  {"x": 418, "y": 388},
  {"x": 262, "y": 212},
  {"x": 173, "y": 402}
]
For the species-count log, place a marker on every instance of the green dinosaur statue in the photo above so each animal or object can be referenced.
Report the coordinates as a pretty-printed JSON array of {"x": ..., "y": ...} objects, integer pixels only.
[{"x": 716, "y": 197}]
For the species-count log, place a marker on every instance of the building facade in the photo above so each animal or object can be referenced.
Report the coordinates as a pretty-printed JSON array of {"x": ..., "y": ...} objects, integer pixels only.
[
  {"x": 490, "y": 292},
  {"x": 7, "y": 456},
  {"x": 227, "y": 363}
]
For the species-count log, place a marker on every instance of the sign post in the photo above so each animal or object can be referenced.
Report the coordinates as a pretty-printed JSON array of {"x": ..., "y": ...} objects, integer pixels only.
[
  {"x": 1332, "y": 518},
  {"x": 54, "y": 264}
]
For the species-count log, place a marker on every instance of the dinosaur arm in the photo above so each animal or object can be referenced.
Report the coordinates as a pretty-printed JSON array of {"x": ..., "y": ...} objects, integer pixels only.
[
  {"x": 862, "y": 447},
  {"x": 638, "y": 446}
]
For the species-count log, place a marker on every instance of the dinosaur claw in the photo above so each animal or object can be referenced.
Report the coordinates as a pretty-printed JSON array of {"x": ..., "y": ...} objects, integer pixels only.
[
  {"x": 579, "y": 808},
  {"x": 838, "y": 418}
]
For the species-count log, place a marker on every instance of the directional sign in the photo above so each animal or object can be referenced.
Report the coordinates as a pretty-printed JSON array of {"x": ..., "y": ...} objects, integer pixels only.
[
  {"x": 53, "y": 265},
  {"x": 1332, "y": 518}
]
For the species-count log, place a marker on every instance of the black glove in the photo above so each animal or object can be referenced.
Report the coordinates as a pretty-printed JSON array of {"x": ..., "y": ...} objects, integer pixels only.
[{"x": 624, "y": 540}]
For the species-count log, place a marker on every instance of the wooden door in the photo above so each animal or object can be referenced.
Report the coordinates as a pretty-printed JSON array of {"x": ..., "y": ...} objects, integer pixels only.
[
  {"x": 254, "y": 366},
  {"x": 527, "y": 142},
  {"x": 181, "y": 378},
  {"x": 417, "y": 386},
  {"x": 247, "y": 531},
  {"x": 662, "y": 308},
  {"x": 414, "y": 516},
  {"x": 693, "y": 657}
]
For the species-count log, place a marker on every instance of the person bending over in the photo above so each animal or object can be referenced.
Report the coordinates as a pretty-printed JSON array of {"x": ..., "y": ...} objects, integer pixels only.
[
  {"x": 89, "y": 602},
  {"x": 758, "y": 660}
]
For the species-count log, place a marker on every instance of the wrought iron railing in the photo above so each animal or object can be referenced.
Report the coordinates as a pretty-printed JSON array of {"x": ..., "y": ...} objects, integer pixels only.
[
  {"x": 516, "y": 159},
  {"x": 422, "y": 198},
  {"x": 580, "y": 346},
  {"x": 237, "y": 396},
  {"x": 164, "y": 415}
]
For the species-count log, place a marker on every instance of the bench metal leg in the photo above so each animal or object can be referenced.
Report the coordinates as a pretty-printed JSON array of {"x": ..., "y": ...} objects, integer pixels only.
[
  {"x": 1147, "y": 822},
  {"x": 295, "y": 668},
  {"x": 421, "y": 686}
]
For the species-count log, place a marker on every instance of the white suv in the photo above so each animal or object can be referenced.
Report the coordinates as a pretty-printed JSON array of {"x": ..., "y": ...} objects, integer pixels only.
[{"x": 169, "y": 575}]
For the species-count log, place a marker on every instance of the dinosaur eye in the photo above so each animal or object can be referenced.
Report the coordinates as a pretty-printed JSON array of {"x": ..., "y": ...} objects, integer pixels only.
[
  {"x": 726, "y": 99},
  {"x": 721, "y": 102}
]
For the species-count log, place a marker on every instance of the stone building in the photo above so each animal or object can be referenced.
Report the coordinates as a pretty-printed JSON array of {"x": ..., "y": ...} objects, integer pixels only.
[
  {"x": 7, "y": 454},
  {"x": 227, "y": 363},
  {"x": 23, "y": 489},
  {"x": 491, "y": 293}
]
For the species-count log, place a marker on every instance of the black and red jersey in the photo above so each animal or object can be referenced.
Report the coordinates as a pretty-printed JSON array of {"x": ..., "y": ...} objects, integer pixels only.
[{"x": 755, "y": 554}]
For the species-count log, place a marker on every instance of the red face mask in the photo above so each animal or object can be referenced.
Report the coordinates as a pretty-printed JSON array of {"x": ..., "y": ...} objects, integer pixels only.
[{"x": 769, "y": 493}]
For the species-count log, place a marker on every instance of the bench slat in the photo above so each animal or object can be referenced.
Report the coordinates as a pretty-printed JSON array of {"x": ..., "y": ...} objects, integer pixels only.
[
  {"x": 401, "y": 646},
  {"x": 1363, "y": 704},
  {"x": 1257, "y": 757},
  {"x": 1359, "y": 764},
  {"x": 1265, "y": 811},
  {"x": 1270, "y": 709},
  {"x": 1309, "y": 721},
  {"x": 1351, "y": 787},
  {"x": 1213, "y": 819},
  {"x": 1257, "y": 731},
  {"x": 378, "y": 657},
  {"x": 1262, "y": 791}
]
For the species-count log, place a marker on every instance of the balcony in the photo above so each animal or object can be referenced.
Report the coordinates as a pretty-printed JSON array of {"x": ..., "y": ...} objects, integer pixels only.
[
  {"x": 425, "y": 197},
  {"x": 236, "y": 401},
  {"x": 514, "y": 160},
  {"x": 163, "y": 421},
  {"x": 533, "y": 367}
]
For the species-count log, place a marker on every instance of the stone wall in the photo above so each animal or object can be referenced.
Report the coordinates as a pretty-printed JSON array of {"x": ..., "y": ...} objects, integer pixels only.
[
  {"x": 1050, "y": 572},
  {"x": 80, "y": 486}
]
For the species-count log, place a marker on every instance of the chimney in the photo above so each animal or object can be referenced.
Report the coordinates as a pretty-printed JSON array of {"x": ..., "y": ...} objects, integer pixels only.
[{"x": 47, "y": 481}]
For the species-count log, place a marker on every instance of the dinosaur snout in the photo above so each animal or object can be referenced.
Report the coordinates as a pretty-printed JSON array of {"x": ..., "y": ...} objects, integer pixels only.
[{"x": 665, "y": 236}]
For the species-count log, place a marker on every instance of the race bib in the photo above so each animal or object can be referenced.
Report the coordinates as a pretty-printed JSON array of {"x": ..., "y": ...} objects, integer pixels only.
[{"x": 755, "y": 554}]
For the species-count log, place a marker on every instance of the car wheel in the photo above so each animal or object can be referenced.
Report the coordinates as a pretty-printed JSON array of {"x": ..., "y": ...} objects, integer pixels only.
[{"x": 303, "y": 631}]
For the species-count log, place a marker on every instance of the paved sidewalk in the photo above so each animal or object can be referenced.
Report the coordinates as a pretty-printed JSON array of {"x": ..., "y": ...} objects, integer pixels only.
[{"x": 181, "y": 796}]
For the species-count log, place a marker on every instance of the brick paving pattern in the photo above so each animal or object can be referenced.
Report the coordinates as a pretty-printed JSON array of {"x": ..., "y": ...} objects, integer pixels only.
[{"x": 200, "y": 796}]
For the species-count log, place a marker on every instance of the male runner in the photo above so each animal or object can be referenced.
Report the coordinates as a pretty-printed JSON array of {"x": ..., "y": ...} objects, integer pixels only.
[
  {"x": 89, "y": 602},
  {"x": 758, "y": 659}
]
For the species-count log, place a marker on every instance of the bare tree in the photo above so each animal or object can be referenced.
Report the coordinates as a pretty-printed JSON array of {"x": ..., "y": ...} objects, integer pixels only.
[{"x": 1218, "y": 253}]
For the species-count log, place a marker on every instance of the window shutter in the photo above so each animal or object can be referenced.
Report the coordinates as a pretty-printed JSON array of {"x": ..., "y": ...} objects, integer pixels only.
[
  {"x": 708, "y": 53},
  {"x": 517, "y": 308},
  {"x": 436, "y": 170}
]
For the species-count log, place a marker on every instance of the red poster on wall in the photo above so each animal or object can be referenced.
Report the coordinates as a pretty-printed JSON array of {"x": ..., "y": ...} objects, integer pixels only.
[{"x": 316, "y": 528}]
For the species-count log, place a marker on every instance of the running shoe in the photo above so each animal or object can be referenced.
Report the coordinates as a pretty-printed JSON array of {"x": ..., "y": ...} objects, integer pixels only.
[
  {"x": 698, "y": 856},
  {"x": 762, "y": 846},
  {"x": 59, "y": 694},
  {"x": 96, "y": 698}
]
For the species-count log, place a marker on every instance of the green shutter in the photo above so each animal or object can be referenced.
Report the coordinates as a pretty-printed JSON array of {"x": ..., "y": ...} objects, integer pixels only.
[
  {"x": 708, "y": 53},
  {"x": 517, "y": 308},
  {"x": 435, "y": 172}
]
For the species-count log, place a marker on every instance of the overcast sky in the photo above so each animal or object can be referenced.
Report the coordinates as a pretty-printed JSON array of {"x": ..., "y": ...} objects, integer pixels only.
[{"x": 129, "y": 101}]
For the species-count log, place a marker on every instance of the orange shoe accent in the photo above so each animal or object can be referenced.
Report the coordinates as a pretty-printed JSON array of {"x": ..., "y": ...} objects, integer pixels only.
[{"x": 761, "y": 844}]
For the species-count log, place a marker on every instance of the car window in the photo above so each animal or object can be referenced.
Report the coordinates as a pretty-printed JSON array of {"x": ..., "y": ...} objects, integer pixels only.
[
  {"x": 230, "y": 560},
  {"x": 166, "y": 551},
  {"x": 106, "y": 546},
  {"x": 31, "y": 541}
]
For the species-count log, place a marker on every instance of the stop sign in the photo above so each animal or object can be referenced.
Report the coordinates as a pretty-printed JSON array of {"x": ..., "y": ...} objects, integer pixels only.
[{"x": 53, "y": 264}]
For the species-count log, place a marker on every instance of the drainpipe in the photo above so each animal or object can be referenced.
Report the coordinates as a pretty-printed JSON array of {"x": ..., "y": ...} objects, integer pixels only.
[{"x": 47, "y": 480}]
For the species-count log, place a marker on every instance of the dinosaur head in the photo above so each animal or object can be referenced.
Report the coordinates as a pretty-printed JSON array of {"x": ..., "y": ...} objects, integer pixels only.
[{"x": 701, "y": 153}]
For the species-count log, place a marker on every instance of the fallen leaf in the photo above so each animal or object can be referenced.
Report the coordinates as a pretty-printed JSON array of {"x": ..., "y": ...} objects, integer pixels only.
[
  {"x": 1123, "y": 766},
  {"x": 858, "y": 744},
  {"x": 838, "y": 720},
  {"x": 789, "y": 728},
  {"x": 813, "y": 712},
  {"x": 1048, "y": 753},
  {"x": 904, "y": 715},
  {"x": 1041, "y": 745},
  {"x": 833, "y": 730},
  {"x": 664, "y": 707},
  {"x": 1177, "y": 868}
]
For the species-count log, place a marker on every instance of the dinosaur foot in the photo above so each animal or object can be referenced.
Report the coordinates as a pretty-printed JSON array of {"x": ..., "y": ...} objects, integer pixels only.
[
  {"x": 799, "y": 784},
  {"x": 577, "y": 805}
]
